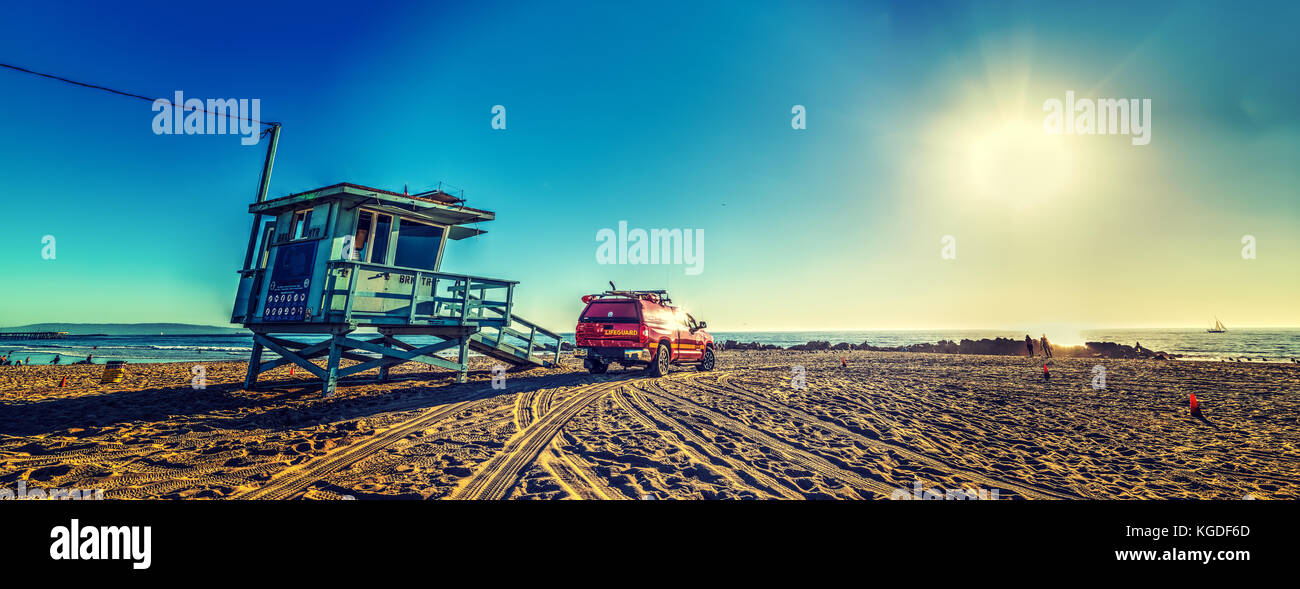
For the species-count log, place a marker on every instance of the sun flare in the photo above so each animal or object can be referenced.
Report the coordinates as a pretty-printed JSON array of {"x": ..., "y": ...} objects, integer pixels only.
[{"x": 1015, "y": 161}]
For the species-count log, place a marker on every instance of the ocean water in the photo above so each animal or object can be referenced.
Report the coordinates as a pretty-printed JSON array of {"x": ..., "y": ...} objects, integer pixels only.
[
  {"x": 132, "y": 348},
  {"x": 1273, "y": 344}
]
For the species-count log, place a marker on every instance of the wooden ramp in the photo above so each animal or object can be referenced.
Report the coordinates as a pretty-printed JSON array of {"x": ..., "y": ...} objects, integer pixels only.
[{"x": 520, "y": 348}]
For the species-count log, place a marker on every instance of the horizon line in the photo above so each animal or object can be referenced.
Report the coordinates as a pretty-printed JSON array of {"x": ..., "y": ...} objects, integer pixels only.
[{"x": 783, "y": 330}]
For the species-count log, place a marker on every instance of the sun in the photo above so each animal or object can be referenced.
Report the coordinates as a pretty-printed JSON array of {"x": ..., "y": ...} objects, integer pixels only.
[{"x": 1015, "y": 162}]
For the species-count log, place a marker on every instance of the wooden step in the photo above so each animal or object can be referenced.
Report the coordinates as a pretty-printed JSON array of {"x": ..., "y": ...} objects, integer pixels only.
[{"x": 504, "y": 351}]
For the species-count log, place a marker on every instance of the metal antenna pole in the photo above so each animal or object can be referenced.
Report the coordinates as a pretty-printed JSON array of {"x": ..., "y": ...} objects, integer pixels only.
[
  {"x": 265, "y": 183},
  {"x": 262, "y": 187}
]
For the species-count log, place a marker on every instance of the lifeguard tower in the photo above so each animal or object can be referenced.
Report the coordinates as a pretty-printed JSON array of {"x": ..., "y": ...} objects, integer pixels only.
[{"x": 337, "y": 259}]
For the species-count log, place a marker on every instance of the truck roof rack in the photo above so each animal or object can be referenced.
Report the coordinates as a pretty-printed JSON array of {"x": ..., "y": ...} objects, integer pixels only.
[{"x": 658, "y": 296}]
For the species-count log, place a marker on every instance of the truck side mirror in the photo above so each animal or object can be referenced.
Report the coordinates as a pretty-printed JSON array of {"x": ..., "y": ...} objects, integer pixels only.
[{"x": 702, "y": 324}]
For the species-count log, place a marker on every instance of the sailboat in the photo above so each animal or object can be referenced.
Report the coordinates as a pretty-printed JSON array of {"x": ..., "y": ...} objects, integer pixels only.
[{"x": 1218, "y": 327}]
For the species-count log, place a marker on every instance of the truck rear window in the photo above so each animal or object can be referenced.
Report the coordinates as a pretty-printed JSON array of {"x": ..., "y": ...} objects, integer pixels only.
[{"x": 606, "y": 312}]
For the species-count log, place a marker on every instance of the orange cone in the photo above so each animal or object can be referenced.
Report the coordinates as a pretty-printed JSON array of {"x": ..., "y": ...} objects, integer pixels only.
[
  {"x": 64, "y": 381},
  {"x": 1194, "y": 407}
]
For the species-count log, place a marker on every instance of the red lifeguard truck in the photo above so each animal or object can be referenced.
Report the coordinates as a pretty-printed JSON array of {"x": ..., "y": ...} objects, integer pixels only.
[{"x": 640, "y": 328}]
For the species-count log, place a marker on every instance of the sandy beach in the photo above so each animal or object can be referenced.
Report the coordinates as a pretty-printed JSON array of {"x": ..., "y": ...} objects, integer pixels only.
[{"x": 890, "y": 424}]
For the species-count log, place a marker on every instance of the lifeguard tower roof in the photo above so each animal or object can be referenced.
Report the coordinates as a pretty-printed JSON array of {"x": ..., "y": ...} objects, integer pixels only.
[{"x": 434, "y": 206}]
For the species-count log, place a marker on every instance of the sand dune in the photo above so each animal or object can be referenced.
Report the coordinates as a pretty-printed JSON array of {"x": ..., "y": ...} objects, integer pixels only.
[{"x": 890, "y": 424}]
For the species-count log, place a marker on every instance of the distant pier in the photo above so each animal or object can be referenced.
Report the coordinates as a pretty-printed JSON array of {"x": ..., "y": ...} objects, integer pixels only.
[{"x": 33, "y": 334}]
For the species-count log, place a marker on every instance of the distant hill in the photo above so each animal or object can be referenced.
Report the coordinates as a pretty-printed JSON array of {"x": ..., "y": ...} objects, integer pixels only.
[{"x": 126, "y": 328}]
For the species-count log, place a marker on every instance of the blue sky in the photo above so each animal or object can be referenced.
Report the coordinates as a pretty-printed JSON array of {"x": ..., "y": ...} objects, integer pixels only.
[{"x": 678, "y": 116}]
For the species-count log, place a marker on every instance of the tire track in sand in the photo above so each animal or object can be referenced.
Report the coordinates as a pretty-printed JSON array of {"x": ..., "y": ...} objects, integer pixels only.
[
  {"x": 294, "y": 479},
  {"x": 701, "y": 450},
  {"x": 502, "y": 471},
  {"x": 572, "y": 475},
  {"x": 788, "y": 452},
  {"x": 525, "y": 412},
  {"x": 578, "y": 481},
  {"x": 1027, "y": 490},
  {"x": 542, "y": 401}
]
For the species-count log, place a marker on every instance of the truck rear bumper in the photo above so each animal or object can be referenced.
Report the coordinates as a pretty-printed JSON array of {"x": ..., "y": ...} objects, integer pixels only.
[{"x": 607, "y": 355}]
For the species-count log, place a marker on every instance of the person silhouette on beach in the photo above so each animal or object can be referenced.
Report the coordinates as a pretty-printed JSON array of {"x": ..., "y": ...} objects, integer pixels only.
[
  {"x": 56, "y": 359},
  {"x": 1047, "y": 347},
  {"x": 1029, "y": 345}
]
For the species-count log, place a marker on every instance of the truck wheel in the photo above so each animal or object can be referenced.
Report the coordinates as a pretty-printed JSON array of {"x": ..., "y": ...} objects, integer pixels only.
[
  {"x": 659, "y": 364},
  {"x": 707, "y": 362},
  {"x": 598, "y": 367}
]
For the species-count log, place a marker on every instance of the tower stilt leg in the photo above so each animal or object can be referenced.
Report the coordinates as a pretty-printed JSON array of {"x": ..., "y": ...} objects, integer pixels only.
[
  {"x": 254, "y": 364},
  {"x": 332, "y": 369},
  {"x": 462, "y": 375}
]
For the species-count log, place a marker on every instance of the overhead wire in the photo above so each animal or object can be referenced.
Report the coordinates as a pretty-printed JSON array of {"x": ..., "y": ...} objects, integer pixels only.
[{"x": 129, "y": 94}]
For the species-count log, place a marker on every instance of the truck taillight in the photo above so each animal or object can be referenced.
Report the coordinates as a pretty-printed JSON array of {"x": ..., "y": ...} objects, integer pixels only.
[{"x": 645, "y": 333}]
